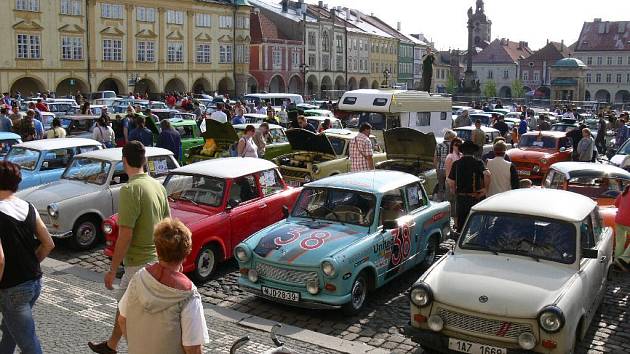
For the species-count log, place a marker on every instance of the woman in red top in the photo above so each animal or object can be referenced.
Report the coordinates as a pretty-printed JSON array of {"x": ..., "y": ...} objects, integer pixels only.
[{"x": 622, "y": 229}]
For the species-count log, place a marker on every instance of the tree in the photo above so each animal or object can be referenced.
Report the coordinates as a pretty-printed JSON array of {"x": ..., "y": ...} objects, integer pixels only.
[
  {"x": 518, "y": 90},
  {"x": 427, "y": 71},
  {"x": 451, "y": 84},
  {"x": 490, "y": 89}
]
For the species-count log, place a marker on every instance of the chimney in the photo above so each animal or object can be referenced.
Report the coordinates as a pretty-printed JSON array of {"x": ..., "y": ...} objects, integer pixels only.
[
  {"x": 371, "y": 14},
  {"x": 347, "y": 14},
  {"x": 562, "y": 45},
  {"x": 285, "y": 5},
  {"x": 320, "y": 3},
  {"x": 326, "y": 6},
  {"x": 257, "y": 11},
  {"x": 398, "y": 26},
  {"x": 597, "y": 19}
]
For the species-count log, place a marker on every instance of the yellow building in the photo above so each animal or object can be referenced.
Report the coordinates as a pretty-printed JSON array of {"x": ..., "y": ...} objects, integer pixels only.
[
  {"x": 384, "y": 61},
  {"x": 133, "y": 46}
]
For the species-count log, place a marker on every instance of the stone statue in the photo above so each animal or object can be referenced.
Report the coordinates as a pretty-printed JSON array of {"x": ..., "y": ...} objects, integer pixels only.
[
  {"x": 480, "y": 6},
  {"x": 470, "y": 13}
]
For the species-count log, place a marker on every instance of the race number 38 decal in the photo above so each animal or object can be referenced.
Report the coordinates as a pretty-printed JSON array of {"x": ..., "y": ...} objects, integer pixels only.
[
  {"x": 314, "y": 241},
  {"x": 401, "y": 244}
]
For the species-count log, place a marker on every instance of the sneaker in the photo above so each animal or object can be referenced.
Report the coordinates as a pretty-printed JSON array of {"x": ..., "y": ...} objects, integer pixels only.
[{"x": 101, "y": 348}]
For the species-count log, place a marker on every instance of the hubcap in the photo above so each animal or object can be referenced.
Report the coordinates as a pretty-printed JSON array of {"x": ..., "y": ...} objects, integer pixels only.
[
  {"x": 358, "y": 293},
  {"x": 205, "y": 263},
  {"x": 86, "y": 233}
]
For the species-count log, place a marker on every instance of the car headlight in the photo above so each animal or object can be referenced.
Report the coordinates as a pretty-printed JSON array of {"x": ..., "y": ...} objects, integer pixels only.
[
  {"x": 53, "y": 210},
  {"x": 551, "y": 319},
  {"x": 315, "y": 169},
  {"x": 328, "y": 269},
  {"x": 241, "y": 254},
  {"x": 107, "y": 228},
  {"x": 527, "y": 340},
  {"x": 435, "y": 323},
  {"x": 544, "y": 161},
  {"x": 421, "y": 295},
  {"x": 312, "y": 286},
  {"x": 536, "y": 169},
  {"x": 252, "y": 275}
]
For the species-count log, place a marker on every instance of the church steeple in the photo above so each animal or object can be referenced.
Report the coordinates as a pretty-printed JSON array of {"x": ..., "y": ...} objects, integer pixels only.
[
  {"x": 480, "y": 26},
  {"x": 479, "y": 6}
]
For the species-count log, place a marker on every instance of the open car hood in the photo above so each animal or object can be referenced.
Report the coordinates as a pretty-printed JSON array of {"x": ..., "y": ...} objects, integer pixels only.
[
  {"x": 220, "y": 132},
  {"x": 409, "y": 144},
  {"x": 304, "y": 140}
]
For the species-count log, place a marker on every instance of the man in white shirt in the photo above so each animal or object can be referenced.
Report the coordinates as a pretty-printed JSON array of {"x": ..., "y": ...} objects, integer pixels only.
[
  {"x": 504, "y": 174},
  {"x": 219, "y": 115}
]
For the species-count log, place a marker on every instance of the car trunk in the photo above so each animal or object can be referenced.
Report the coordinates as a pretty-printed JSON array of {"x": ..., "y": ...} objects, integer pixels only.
[
  {"x": 222, "y": 134},
  {"x": 310, "y": 149}
]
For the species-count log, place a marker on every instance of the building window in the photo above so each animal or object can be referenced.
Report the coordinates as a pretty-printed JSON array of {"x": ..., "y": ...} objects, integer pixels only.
[
  {"x": 599, "y": 60},
  {"x": 242, "y": 22},
  {"x": 608, "y": 78},
  {"x": 116, "y": 11},
  {"x": 325, "y": 42},
  {"x": 28, "y": 46},
  {"x": 311, "y": 41},
  {"x": 619, "y": 60},
  {"x": 339, "y": 40},
  {"x": 225, "y": 21},
  {"x": 112, "y": 50},
  {"x": 609, "y": 61},
  {"x": 525, "y": 75},
  {"x": 619, "y": 78},
  {"x": 71, "y": 48},
  {"x": 175, "y": 52},
  {"x": 71, "y": 7},
  {"x": 598, "y": 78},
  {"x": 628, "y": 78},
  {"x": 204, "y": 53},
  {"x": 506, "y": 74},
  {"x": 242, "y": 54},
  {"x": 145, "y": 14},
  {"x": 312, "y": 61},
  {"x": 325, "y": 62},
  {"x": 589, "y": 61},
  {"x": 588, "y": 77},
  {"x": 27, "y": 5},
  {"x": 175, "y": 17},
  {"x": 225, "y": 53},
  {"x": 276, "y": 57},
  {"x": 203, "y": 20},
  {"x": 339, "y": 62},
  {"x": 628, "y": 60},
  {"x": 536, "y": 76},
  {"x": 295, "y": 58},
  {"x": 145, "y": 51}
]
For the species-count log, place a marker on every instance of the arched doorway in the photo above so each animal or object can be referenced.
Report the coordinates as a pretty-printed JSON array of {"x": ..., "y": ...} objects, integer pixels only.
[
  {"x": 175, "y": 85},
  {"x": 375, "y": 84},
  {"x": 276, "y": 85},
  {"x": 352, "y": 84},
  {"x": 27, "y": 86},
  {"x": 505, "y": 92},
  {"x": 252, "y": 85},
  {"x": 70, "y": 86},
  {"x": 295, "y": 84},
  {"x": 111, "y": 84},
  {"x": 325, "y": 87},
  {"x": 202, "y": 85},
  {"x": 311, "y": 85},
  {"x": 602, "y": 96},
  {"x": 226, "y": 85},
  {"x": 363, "y": 83},
  {"x": 622, "y": 96},
  {"x": 340, "y": 84},
  {"x": 587, "y": 95},
  {"x": 146, "y": 86}
]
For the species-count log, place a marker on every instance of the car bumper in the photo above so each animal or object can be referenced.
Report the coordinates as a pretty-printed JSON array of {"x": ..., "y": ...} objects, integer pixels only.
[
  {"x": 320, "y": 301},
  {"x": 439, "y": 342}
]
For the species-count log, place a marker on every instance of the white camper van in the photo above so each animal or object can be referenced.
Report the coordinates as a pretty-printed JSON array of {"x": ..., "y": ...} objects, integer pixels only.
[{"x": 400, "y": 108}]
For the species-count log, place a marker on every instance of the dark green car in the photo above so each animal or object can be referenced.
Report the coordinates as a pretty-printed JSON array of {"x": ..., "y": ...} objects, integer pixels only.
[
  {"x": 277, "y": 144},
  {"x": 189, "y": 134}
]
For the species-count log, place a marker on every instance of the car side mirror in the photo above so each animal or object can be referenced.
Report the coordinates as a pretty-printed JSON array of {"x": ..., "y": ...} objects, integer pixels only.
[
  {"x": 285, "y": 211},
  {"x": 116, "y": 180},
  {"x": 590, "y": 253},
  {"x": 45, "y": 164},
  {"x": 233, "y": 203},
  {"x": 390, "y": 224}
]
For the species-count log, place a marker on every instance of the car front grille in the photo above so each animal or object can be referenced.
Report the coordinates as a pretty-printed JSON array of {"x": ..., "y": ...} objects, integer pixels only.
[
  {"x": 296, "y": 277},
  {"x": 484, "y": 326}
]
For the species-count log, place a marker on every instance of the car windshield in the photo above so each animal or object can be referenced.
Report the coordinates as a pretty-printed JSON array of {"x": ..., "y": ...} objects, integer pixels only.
[
  {"x": 597, "y": 187},
  {"x": 624, "y": 149},
  {"x": 196, "y": 189},
  {"x": 339, "y": 205},
  {"x": 464, "y": 134},
  {"x": 537, "y": 141},
  {"x": 25, "y": 158},
  {"x": 88, "y": 170},
  {"x": 78, "y": 125},
  {"x": 536, "y": 237},
  {"x": 338, "y": 145}
]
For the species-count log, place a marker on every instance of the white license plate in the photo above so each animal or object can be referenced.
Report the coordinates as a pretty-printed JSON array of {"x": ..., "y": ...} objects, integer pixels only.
[
  {"x": 293, "y": 183},
  {"x": 281, "y": 294},
  {"x": 524, "y": 172},
  {"x": 463, "y": 346}
]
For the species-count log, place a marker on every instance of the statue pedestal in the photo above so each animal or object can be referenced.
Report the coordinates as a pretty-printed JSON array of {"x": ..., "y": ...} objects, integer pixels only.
[{"x": 470, "y": 82}]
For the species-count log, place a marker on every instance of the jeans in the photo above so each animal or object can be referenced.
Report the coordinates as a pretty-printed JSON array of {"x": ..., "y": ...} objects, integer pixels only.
[{"x": 18, "y": 326}]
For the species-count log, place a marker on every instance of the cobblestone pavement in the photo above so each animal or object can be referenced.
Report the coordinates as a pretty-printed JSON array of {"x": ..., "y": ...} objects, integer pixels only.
[
  {"x": 72, "y": 311},
  {"x": 380, "y": 323}
]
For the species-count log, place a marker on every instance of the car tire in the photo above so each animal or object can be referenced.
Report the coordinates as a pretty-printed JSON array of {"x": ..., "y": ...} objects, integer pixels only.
[
  {"x": 86, "y": 233},
  {"x": 358, "y": 295},
  {"x": 205, "y": 263},
  {"x": 433, "y": 246}
]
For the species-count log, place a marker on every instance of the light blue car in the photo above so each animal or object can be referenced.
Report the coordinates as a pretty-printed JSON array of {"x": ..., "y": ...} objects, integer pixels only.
[
  {"x": 7, "y": 140},
  {"x": 43, "y": 161},
  {"x": 347, "y": 234}
]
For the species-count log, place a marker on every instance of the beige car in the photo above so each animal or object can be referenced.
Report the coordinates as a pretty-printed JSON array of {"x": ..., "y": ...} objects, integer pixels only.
[{"x": 317, "y": 156}]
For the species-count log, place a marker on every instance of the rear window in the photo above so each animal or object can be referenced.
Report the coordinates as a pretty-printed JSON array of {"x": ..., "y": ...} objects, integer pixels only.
[
  {"x": 380, "y": 102},
  {"x": 350, "y": 100}
]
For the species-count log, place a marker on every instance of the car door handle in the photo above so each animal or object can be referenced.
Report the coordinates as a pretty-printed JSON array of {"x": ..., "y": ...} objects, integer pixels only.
[
  {"x": 262, "y": 206},
  {"x": 603, "y": 259}
]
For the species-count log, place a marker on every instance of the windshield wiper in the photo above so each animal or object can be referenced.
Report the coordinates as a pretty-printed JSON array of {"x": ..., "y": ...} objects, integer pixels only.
[{"x": 189, "y": 200}]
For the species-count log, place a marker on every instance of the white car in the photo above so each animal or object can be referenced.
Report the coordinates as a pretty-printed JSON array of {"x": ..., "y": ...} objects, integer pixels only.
[
  {"x": 465, "y": 133},
  {"x": 528, "y": 273},
  {"x": 622, "y": 156},
  {"x": 87, "y": 193}
]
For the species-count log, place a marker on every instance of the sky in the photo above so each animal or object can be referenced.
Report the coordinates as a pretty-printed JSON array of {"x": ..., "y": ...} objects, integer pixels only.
[{"x": 533, "y": 21}]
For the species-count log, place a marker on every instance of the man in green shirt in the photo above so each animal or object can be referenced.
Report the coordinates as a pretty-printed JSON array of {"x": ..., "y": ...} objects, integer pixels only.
[{"x": 143, "y": 203}]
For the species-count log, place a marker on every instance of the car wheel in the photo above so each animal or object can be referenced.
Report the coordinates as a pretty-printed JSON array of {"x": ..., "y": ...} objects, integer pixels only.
[
  {"x": 205, "y": 264},
  {"x": 358, "y": 294},
  {"x": 433, "y": 245},
  {"x": 86, "y": 232}
]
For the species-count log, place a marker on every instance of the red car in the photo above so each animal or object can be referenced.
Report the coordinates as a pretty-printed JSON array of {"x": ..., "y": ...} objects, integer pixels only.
[
  {"x": 537, "y": 151},
  {"x": 222, "y": 201}
]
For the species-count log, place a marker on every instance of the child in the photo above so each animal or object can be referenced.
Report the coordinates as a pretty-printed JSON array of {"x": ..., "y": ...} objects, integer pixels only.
[{"x": 514, "y": 136}]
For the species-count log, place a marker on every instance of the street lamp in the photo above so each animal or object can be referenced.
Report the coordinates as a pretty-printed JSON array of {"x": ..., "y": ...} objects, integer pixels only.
[
  {"x": 303, "y": 70},
  {"x": 386, "y": 75}
]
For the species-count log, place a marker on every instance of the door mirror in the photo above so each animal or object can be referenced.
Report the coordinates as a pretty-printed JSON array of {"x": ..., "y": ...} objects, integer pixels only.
[
  {"x": 45, "y": 164},
  {"x": 390, "y": 224},
  {"x": 285, "y": 211},
  {"x": 590, "y": 253},
  {"x": 116, "y": 180},
  {"x": 563, "y": 149},
  {"x": 233, "y": 203}
]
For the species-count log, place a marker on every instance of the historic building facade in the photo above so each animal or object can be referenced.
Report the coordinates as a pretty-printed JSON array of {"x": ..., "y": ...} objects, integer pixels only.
[
  {"x": 74, "y": 45},
  {"x": 499, "y": 62},
  {"x": 535, "y": 70}
]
